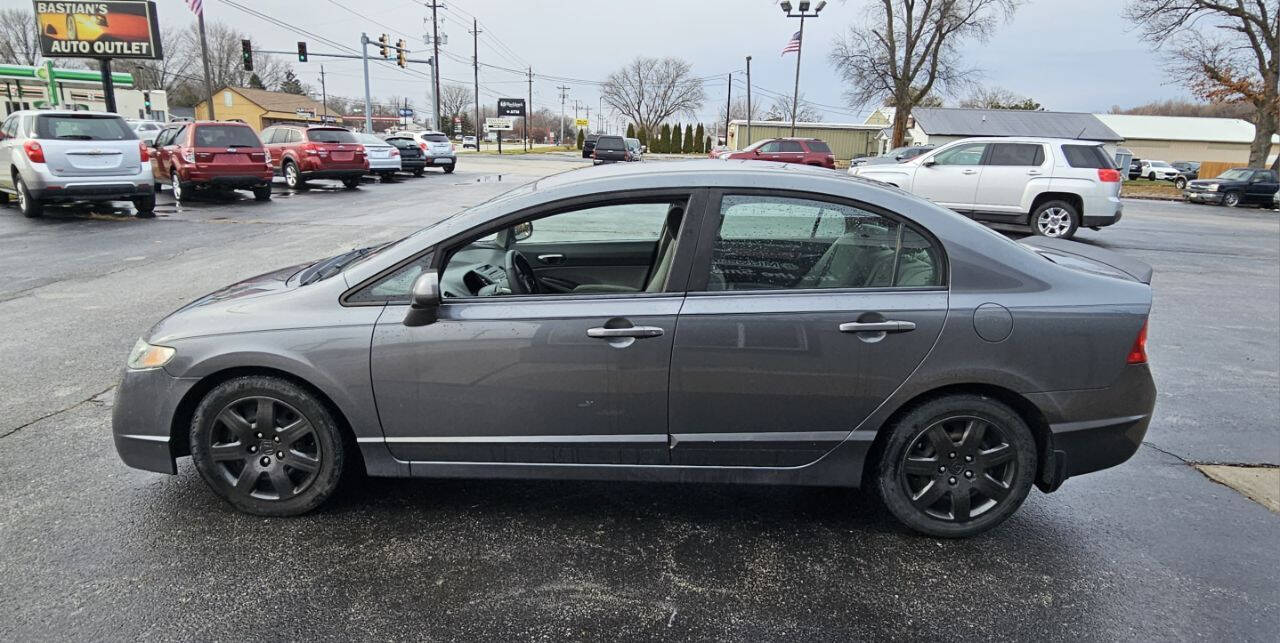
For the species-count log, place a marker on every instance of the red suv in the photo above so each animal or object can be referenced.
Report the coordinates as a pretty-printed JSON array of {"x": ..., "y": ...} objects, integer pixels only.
[
  {"x": 211, "y": 155},
  {"x": 804, "y": 151},
  {"x": 303, "y": 153}
]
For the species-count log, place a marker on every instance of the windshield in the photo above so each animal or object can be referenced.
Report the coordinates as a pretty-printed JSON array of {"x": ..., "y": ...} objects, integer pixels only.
[
  {"x": 1236, "y": 174},
  {"x": 1159, "y": 164},
  {"x": 85, "y": 127},
  {"x": 226, "y": 136},
  {"x": 330, "y": 136}
]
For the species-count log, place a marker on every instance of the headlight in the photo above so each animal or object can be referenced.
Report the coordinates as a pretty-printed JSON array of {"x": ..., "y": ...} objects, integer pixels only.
[
  {"x": 145, "y": 356},
  {"x": 724, "y": 156},
  {"x": 1212, "y": 187}
]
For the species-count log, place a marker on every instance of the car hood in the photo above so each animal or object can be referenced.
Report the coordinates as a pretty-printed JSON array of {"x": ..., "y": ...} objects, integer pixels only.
[
  {"x": 237, "y": 307},
  {"x": 1207, "y": 181}
]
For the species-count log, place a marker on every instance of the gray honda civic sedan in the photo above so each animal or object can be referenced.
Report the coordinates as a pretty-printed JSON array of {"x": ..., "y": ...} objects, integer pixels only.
[{"x": 694, "y": 322}]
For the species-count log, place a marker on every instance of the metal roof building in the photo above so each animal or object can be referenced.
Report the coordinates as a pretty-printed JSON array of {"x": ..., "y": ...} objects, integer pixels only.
[
  {"x": 939, "y": 125},
  {"x": 1186, "y": 138}
]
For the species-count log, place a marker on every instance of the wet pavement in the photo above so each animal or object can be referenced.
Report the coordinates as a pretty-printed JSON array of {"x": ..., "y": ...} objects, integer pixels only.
[{"x": 94, "y": 550}]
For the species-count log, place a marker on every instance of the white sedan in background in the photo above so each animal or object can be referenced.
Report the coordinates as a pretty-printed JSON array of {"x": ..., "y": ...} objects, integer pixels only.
[
  {"x": 1158, "y": 171},
  {"x": 384, "y": 158}
]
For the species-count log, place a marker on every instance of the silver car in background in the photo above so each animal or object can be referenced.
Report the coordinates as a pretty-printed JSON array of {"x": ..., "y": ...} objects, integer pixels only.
[
  {"x": 145, "y": 129},
  {"x": 384, "y": 158},
  {"x": 54, "y": 156}
]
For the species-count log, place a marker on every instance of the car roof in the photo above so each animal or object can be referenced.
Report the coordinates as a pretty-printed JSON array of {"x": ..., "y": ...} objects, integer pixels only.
[
  {"x": 63, "y": 112},
  {"x": 1027, "y": 139}
]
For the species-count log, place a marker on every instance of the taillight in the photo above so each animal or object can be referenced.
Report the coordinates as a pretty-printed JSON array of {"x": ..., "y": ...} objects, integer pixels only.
[
  {"x": 423, "y": 146},
  {"x": 452, "y": 148},
  {"x": 144, "y": 154},
  {"x": 189, "y": 156},
  {"x": 1138, "y": 354},
  {"x": 395, "y": 152},
  {"x": 204, "y": 157},
  {"x": 35, "y": 153},
  {"x": 309, "y": 148},
  {"x": 1108, "y": 175}
]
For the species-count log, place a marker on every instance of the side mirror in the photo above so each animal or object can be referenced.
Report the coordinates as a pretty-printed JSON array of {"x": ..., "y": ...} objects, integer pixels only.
[
  {"x": 424, "y": 298},
  {"x": 756, "y": 151},
  {"x": 523, "y": 231},
  {"x": 929, "y": 163},
  {"x": 898, "y": 157}
]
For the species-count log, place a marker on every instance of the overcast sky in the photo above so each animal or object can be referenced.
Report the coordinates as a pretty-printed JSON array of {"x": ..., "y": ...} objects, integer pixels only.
[{"x": 1081, "y": 58}]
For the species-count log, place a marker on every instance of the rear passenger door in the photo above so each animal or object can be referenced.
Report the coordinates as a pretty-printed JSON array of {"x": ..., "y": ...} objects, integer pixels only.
[
  {"x": 803, "y": 314},
  {"x": 1008, "y": 170},
  {"x": 791, "y": 152}
]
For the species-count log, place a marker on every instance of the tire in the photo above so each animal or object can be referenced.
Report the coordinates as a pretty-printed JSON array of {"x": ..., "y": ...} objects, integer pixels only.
[
  {"x": 1180, "y": 182},
  {"x": 1056, "y": 219},
  {"x": 181, "y": 190},
  {"x": 1151, "y": 176},
  {"x": 419, "y": 171},
  {"x": 146, "y": 206},
  {"x": 30, "y": 206},
  {"x": 989, "y": 459},
  {"x": 239, "y": 466},
  {"x": 1231, "y": 199},
  {"x": 351, "y": 184},
  {"x": 448, "y": 169},
  {"x": 292, "y": 176},
  {"x": 4, "y": 198},
  {"x": 263, "y": 193}
]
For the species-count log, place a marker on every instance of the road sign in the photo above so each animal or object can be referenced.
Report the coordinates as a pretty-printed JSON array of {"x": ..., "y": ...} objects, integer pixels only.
[
  {"x": 510, "y": 107},
  {"x": 581, "y": 122},
  {"x": 406, "y": 111},
  {"x": 499, "y": 124}
]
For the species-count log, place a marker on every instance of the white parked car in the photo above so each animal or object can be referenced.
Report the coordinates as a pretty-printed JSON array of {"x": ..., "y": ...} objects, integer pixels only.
[
  {"x": 469, "y": 141},
  {"x": 145, "y": 129},
  {"x": 1053, "y": 185},
  {"x": 1158, "y": 171},
  {"x": 384, "y": 158}
]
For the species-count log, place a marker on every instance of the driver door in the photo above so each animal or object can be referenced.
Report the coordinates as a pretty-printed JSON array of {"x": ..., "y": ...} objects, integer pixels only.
[{"x": 576, "y": 377}]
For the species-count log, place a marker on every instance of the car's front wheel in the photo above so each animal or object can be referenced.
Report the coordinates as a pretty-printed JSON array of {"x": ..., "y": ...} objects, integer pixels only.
[
  {"x": 1180, "y": 182},
  {"x": 1057, "y": 219},
  {"x": 1231, "y": 199},
  {"x": 267, "y": 446},
  {"x": 956, "y": 466}
]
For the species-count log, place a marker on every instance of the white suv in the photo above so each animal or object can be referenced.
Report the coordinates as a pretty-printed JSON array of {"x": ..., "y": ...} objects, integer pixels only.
[{"x": 1054, "y": 185}]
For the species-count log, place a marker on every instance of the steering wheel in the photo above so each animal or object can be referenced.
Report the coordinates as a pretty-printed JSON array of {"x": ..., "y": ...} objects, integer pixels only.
[{"x": 520, "y": 277}]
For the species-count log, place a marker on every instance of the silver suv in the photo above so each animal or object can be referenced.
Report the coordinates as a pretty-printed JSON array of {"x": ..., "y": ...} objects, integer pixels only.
[
  {"x": 64, "y": 156},
  {"x": 1053, "y": 185}
]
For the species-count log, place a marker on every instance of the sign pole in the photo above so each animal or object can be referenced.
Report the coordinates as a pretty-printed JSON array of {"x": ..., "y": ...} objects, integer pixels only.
[
  {"x": 108, "y": 85},
  {"x": 204, "y": 55},
  {"x": 364, "y": 55}
]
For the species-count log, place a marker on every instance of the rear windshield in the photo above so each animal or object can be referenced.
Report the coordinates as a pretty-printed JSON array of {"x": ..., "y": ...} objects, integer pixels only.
[
  {"x": 403, "y": 143},
  {"x": 330, "y": 136},
  {"x": 436, "y": 138},
  {"x": 226, "y": 136},
  {"x": 610, "y": 143},
  {"x": 370, "y": 139},
  {"x": 819, "y": 147},
  {"x": 75, "y": 127},
  {"x": 1092, "y": 156}
]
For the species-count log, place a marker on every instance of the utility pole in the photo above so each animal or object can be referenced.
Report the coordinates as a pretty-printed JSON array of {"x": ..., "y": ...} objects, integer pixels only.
[
  {"x": 364, "y": 54},
  {"x": 600, "y": 115},
  {"x": 588, "y": 108},
  {"x": 435, "y": 67},
  {"x": 728, "y": 107},
  {"x": 749, "y": 139},
  {"x": 204, "y": 55},
  {"x": 324, "y": 96},
  {"x": 564, "y": 93},
  {"x": 528, "y": 112},
  {"x": 475, "y": 69}
]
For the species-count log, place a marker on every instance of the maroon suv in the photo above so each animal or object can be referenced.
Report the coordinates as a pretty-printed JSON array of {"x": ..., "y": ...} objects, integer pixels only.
[
  {"x": 302, "y": 153},
  {"x": 804, "y": 151},
  {"x": 211, "y": 155}
]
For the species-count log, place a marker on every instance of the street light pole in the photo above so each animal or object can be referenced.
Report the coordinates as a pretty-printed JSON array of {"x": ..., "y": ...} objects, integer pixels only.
[
  {"x": 749, "y": 141},
  {"x": 803, "y": 6}
]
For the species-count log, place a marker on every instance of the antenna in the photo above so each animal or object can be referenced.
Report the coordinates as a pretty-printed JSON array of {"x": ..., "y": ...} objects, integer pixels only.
[{"x": 1082, "y": 129}]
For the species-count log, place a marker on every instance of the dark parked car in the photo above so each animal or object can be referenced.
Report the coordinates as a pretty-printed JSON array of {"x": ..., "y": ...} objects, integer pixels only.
[
  {"x": 1237, "y": 186},
  {"x": 411, "y": 155},
  {"x": 895, "y": 155},
  {"x": 1135, "y": 168},
  {"x": 211, "y": 155},
  {"x": 610, "y": 149},
  {"x": 706, "y": 323},
  {"x": 589, "y": 145},
  {"x": 1187, "y": 170},
  {"x": 803, "y": 151},
  {"x": 304, "y": 153}
]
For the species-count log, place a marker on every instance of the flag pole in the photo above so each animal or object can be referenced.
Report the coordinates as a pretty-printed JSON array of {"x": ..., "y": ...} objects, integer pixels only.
[{"x": 204, "y": 54}]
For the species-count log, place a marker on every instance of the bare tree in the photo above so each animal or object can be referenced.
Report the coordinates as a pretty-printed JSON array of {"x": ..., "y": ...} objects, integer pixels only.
[
  {"x": 1174, "y": 107},
  {"x": 998, "y": 98},
  {"x": 738, "y": 110},
  {"x": 905, "y": 49},
  {"x": 170, "y": 72},
  {"x": 780, "y": 110},
  {"x": 650, "y": 90},
  {"x": 1225, "y": 51},
  {"x": 454, "y": 100},
  {"x": 19, "y": 43}
]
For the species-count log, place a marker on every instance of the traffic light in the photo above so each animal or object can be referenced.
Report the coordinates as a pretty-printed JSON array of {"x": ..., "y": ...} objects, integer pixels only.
[
  {"x": 246, "y": 54},
  {"x": 302, "y": 51},
  {"x": 382, "y": 44},
  {"x": 146, "y": 102},
  {"x": 401, "y": 58}
]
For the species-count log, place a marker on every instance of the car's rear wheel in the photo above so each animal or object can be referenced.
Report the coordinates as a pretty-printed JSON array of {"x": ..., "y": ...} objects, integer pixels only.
[
  {"x": 262, "y": 193},
  {"x": 28, "y": 205},
  {"x": 351, "y": 184},
  {"x": 1231, "y": 199},
  {"x": 292, "y": 177},
  {"x": 145, "y": 206},
  {"x": 1151, "y": 176},
  {"x": 448, "y": 169},
  {"x": 419, "y": 171},
  {"x": 267, "y": 446},
  {"x": 956, "y": 466},
  {"x": 1057, "y": 219}
]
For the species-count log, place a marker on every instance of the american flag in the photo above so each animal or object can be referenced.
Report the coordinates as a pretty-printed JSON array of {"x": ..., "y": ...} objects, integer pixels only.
[
  {"x": 197, "y": 7},
  {"x": 792, "y": 45}
]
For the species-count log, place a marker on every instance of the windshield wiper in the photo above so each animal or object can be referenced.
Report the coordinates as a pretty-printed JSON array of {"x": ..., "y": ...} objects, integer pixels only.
[
  {"x": 76, "y": 137},
  {"x": 326, "y": 268}
]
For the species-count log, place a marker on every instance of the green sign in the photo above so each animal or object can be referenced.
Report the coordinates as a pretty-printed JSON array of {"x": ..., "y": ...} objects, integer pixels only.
[{"x": 45, "y": 73}]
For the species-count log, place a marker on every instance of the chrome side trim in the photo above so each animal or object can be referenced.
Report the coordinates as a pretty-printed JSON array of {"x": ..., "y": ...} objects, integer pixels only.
[
  {"x": 149, "y": 438},
  {"x": 517, "y": 439},
  {"x": 768, "y": 436}
]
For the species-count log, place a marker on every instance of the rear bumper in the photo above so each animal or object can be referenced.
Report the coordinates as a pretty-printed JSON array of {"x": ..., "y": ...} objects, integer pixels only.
[
  {"x": 385, "y": 165},
  {"x": 46, "y": 186},
  {"x": 142, "y": 418},
  {"x": 334, "y": 174},
  {"x": 1102, "y": 211},
  {"x": 229, "y": 180},
  {"x": 412, "y": 163}
]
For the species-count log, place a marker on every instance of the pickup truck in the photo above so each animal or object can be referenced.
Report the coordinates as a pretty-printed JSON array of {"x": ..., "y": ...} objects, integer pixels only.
[{"x": 1237, "y": 186}]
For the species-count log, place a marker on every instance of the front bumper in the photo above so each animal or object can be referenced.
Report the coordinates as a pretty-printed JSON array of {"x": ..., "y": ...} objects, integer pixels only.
[
  {"x": 1202, "y": 197},
  {"x": 142, "y": 419}
]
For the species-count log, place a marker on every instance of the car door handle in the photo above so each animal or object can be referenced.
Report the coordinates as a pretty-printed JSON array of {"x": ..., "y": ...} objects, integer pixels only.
[
  {"x": 1033, "y": 172},
  {"x": 969, "y": 172},
  {"x": 634, "y": 331},
  {"x": 878, "y": 327},
  {"x": 551, "y": 258}
]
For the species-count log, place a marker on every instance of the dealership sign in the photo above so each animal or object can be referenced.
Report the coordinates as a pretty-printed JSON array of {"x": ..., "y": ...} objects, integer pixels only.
[{"x": 116, "y": 29}]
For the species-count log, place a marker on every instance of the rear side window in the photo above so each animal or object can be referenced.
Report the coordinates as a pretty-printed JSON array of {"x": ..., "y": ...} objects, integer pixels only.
[
  {"x": 1088, "y": 156},
  {"x": 819, "y": 147},
  {"x": 225, "y": 136},
  {"x": 83, "y": 128},
  {"x": 330, "y": 136},
  {"x": 1022, "y": 154},
  {"x": 435, "y": 138}
]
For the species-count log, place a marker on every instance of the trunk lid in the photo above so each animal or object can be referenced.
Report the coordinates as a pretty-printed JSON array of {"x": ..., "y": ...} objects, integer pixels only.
[{"x": 1089, "y": 258}]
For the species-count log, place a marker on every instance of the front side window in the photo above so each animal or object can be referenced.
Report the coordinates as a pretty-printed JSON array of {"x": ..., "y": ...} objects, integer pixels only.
[
  {"x": 1018, "y": 154},
  {"x": 772, "y": 147},
  {"x": 970, "y": 154},
  {"x": 781, "y": 243}
]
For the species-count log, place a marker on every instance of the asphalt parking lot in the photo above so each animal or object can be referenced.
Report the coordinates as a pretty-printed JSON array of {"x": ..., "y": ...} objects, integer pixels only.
[{"x": 94, "y": 550}]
